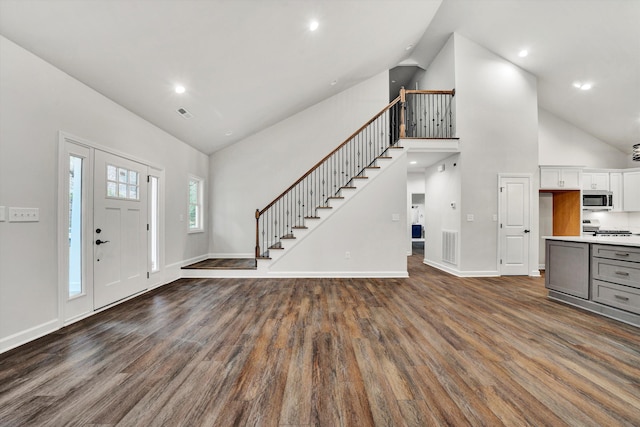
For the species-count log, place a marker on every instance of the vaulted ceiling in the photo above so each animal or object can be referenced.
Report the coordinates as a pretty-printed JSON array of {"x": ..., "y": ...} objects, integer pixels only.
[{"x": 247, "y": 64}]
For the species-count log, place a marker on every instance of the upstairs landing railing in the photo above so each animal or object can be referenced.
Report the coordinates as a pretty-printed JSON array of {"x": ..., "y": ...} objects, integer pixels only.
[{"x": 349, "y": 162}]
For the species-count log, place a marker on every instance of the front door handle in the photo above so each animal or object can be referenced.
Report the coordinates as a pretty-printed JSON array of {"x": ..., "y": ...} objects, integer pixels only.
[
  {"x": 99, "y": 242},
  {"x": 527, "y": 231}
]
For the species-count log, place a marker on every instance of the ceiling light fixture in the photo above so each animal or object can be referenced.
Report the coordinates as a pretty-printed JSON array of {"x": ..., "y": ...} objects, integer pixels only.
[
  {"x": 180, "y": 89},
  {"x": 636, "y": 152},
  {"x": 413, "y": 162},
  {"x": 409, "y": 47},
  {"x": 228, "y": 133},
  {"x": 333, "y": 83},
  {"x": 313, "y": 25},
  {"x": 582, "y": 86},
  {"x": 523, "y": 53}
]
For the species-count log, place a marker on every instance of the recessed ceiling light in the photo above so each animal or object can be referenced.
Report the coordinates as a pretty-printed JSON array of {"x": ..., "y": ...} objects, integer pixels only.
[
  {"x": 333, "y": 83},
  {"x": 313, "y": 25},
  {"x": 228, "y": 133},
  {"x": 179, "y": 89},
  {"x": 523, "y": 53},
  {"x": 582, "y": 86},
  {"x": 413, "y": 162},
  {"x": 409, "y": 47}
]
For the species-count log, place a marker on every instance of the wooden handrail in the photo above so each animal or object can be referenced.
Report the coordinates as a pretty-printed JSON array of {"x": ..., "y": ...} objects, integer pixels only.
[
  {"x": 433, "y": 92},
  {"x": 353, "y": 135}
]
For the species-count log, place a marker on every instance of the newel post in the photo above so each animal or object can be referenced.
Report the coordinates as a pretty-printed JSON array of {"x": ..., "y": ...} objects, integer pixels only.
[
  {"x": 403, "y": 98},
  {"x": 257, "y": 233}
]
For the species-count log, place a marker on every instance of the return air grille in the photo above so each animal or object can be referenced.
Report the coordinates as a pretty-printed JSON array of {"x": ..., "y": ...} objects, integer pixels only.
[
  {"x": 184, "y": 113},
  {"x": 449, "y": 246}
]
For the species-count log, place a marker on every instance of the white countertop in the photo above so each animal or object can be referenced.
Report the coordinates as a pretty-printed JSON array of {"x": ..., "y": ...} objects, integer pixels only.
[{"x": 604, "y": 240}]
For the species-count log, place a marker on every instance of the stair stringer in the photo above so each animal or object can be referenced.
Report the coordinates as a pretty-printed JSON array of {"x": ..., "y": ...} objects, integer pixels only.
[{"x": 369, "y": 223}]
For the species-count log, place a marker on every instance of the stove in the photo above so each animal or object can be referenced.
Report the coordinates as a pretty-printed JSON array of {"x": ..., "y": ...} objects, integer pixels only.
[
  {"x": 591, "y": 227},
  {"x": 614, "y": 233}
]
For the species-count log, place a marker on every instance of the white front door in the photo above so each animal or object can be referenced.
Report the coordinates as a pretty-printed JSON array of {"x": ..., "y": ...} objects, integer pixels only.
[
  {"x": 515, "y": 222},
  {"x": 119, "y": 228}
]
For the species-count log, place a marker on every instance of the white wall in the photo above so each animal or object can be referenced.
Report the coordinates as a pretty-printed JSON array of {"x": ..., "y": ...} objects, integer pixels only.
[
  {"x": 364, "y": 228},
  {"x": 497, "y": 123},
  {"x": 561, "y": 143},
  {"x": 37, "y": 101},
  {"x": 251, "y": 173},
  {"x": 441, "y": 189}
]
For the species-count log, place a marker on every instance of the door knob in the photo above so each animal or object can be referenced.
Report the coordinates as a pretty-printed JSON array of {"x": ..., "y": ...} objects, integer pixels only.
[
  {"x": 527, "y": 231},
  {"x": 99, "y": 242}
]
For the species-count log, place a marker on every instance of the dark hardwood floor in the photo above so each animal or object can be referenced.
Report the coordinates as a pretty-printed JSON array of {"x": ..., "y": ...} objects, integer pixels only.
[{"x": 429, "y": 350}]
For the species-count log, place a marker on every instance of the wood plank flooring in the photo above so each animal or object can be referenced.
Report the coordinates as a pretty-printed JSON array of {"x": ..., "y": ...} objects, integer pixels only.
[
  {"x": 223, "y": 264},
  {"x": 429, "y": 350}
]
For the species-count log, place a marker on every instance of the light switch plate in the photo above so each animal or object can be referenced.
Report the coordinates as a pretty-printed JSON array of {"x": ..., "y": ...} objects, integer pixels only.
[
  {"x": 470, "y": 217},
  {"x": 395, "y": 217},
  {"x": 3, "y": 213},
  {"x": 24, "y": 214}
]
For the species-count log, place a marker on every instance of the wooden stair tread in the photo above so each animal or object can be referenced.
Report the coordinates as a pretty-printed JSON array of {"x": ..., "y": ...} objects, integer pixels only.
[
  {"x": 336, "y": 197},
  {"x": 324, "y": 207},
  {"x": 299, "y": 227},
  {"x": 311, "y": 217},
  {"x": 360, "y": 177},
  {"x": 385, "y": 157},
  {"x": 398, "y": 148},
  {"x": 349, "y": 187}
]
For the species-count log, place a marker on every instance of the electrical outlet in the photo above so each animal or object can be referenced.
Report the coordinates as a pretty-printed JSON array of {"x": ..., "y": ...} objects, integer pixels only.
[{"x": 24, "y": 215}]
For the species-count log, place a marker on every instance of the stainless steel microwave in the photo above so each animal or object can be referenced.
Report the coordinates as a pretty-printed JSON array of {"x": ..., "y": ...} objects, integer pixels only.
[{"x": 597, "y": 200}]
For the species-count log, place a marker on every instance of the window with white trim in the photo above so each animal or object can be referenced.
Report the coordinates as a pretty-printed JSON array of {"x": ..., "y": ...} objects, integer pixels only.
[{"x": 195, "y": 204}]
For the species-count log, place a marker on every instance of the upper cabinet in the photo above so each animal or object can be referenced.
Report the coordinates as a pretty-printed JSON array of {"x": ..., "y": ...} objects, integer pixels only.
[
  {"x": 560, "y": 178},
  {"x": 631, "y": 189},
  {"x": 595, "y": 181},
  {"x": 615, "y": 185}
]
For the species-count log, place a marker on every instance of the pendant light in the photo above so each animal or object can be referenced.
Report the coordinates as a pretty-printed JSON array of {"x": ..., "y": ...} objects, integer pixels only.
[{"x": 636, "y": 152}]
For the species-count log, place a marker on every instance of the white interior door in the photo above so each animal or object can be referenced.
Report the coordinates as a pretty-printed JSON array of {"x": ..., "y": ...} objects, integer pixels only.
[
  {"x": 515, "y": 224},
  {"x": 120, "y": 228}
]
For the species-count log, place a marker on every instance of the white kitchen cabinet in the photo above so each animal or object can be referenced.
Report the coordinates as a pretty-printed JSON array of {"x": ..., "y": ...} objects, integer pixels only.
[
  {"x": 631, "y": 191},
  {"x": 615, "y": 185},
  {"x": 595, "y": 181},
  {"x": 563, "y": 178}
]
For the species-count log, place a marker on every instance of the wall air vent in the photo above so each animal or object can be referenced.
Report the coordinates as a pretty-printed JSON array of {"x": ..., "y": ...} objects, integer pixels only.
[{"x": 184, "y": 113}]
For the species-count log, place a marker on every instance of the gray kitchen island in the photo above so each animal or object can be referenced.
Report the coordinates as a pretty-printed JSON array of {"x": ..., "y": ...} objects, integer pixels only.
[{"x": 597, "y": 273}]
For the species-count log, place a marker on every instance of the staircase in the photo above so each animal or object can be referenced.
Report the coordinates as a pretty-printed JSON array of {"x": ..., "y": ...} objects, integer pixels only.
[
  {"x": 327, "y": 186},
  {"x": 426, "y": 114}
]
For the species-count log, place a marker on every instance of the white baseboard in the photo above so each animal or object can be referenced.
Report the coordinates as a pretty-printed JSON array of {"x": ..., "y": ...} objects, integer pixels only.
[
  {"x": 459, "y": 273},
  {"x": 262, "y": 274},
  {"x": 232, "y": 255},
  {"x": 31, "y": 334}
]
